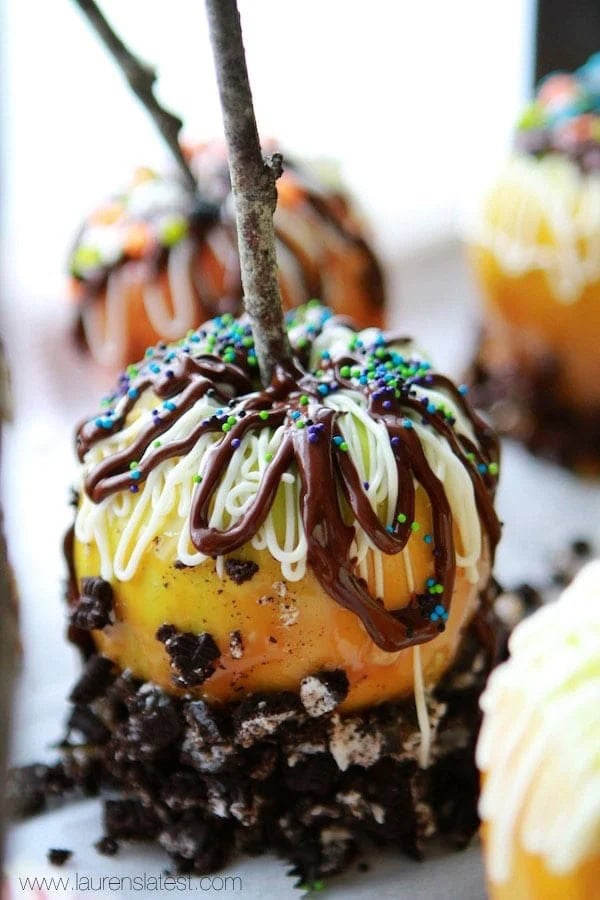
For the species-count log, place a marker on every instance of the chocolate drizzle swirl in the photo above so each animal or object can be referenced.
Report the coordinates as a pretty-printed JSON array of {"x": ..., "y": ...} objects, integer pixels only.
[{"x": 332, "y": 494}]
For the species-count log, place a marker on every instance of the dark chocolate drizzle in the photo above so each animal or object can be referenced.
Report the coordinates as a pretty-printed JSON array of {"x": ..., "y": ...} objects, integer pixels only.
[{"x": 332, "y": 493}]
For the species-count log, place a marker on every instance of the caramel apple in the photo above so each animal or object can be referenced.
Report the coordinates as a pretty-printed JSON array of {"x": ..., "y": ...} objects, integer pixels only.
[
  {"x": 299, "y": 572},
  {"x": 538, "y": 752},
  {"x": 160, "y": 259},
  {"x": 534, "y": 250}
]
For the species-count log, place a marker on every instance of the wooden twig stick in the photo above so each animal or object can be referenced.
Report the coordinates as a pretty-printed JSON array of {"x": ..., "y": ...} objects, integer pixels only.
[
  {"x": 141, "y": 78},
  {"x": 253, "y": 184}
]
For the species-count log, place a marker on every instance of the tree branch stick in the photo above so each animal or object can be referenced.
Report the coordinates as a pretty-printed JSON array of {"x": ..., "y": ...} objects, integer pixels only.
[
  {"x": 253, "y": 185},
  {"x": 141, "y": 80}
]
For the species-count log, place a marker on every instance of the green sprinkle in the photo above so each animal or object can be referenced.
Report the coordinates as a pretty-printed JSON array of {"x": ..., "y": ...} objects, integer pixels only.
[
  {"x": 231, "y": 420},
  {"x": 493, "y": 468},
  {"x": 172, "y": 230},
  {"x": 156, "y": 444},
  {"x": 345, "y": 372},
  {"x": 304, "y": 401},
  {"x": 263, "y": 414},
  {"x": 268, "y": 456},
  {"x": 300, "y": 423},
  {"x": 85, "y": 258},
  {"x": 197, "y": 479},
  {"x": 133, "y": 465},
  {"x": 226, "y": 427},
  {"x": 414, "y": 526},
  {"x": 344, "y": 446},
  {"x": 401, "y": 518}
]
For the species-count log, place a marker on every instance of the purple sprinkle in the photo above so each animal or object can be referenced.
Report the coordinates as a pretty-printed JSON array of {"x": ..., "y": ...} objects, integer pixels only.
[
  {"x": 395, "y": 441},
  {"x": 133, "y": 488},
  {"x": 313, "y": 437},
  {"x": 387, "y": 404},
  {"x": 366, "y": 485},
  {"x": 235, "y": 443}
]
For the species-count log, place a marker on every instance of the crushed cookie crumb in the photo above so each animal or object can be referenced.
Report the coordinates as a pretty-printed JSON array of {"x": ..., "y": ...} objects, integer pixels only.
[
  {"x": 192, "y": 656},
  {"x": 94, "y": 607},
  {"x": 58, "y": 857},
  {"x": 240, "y": 570},
  {"x": 236, "y": 645}
]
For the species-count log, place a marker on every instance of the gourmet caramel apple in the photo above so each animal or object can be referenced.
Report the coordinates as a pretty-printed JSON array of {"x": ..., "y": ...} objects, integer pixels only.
[
  {"x": 283, "y": 587},
  {"x": 158, "y": 259},
  {"x": 334, "y": 520},
  {"x": 538, "y": 751},
  {"x": 535, "y": 251}
]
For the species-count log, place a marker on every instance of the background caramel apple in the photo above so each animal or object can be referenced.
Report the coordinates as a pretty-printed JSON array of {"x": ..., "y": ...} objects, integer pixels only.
[
  {"x": 538, "y": 752},
  {"x": 159, "y": 259},
  {"x": 534, "y": 251}
]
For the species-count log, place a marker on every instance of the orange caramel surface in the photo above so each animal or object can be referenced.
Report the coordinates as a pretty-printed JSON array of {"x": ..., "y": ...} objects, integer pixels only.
[{"x": 289, "y": 629}]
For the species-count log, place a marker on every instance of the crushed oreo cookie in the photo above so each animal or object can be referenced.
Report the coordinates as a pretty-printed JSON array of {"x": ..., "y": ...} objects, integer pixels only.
[
  {"x": 97, "y": 674},
  {"x": 262, "y": 774},
  {"x": 93, "y": 609},
  {"x": 192, "y": 656},
  {"x": 107, "y": 846},
  {"x": 58, "y": 857},
  {"x": 322, "y": 692},
  {"x": 240, "y": 570},
  {"x": 525, "y": 404},
  {"x": 236, "y": 645}
]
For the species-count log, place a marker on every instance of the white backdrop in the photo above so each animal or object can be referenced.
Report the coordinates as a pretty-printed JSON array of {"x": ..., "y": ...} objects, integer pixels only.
[{"x": 414, "y": 99}]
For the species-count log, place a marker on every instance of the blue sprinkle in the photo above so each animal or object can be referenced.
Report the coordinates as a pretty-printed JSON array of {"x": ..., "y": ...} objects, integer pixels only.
[
  {"x": 135, "y": 474},
  {"x": 440, "y": 610},
  {"x": 434, "y": 617},
  {"x": 133, "y": 393},
  {"x": 431, "y": 408},
  {"x": 430, "y": 582},
  {"x": 168, "y": 404},
  {"x": 337, "y": 440},
  {"x": 363, "y": 379},
  {"x": 428, "y": 539},
  {"x": 463, "y": 389},
  {"x": 407, "y": 423},
  {"x": 323, "y": 389},
  {"x": 295, "y": 414},
  {"x": 482, "y": 468},
  {"x": 389, "y": 528},
  {"x": 155, "y": 368}
]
